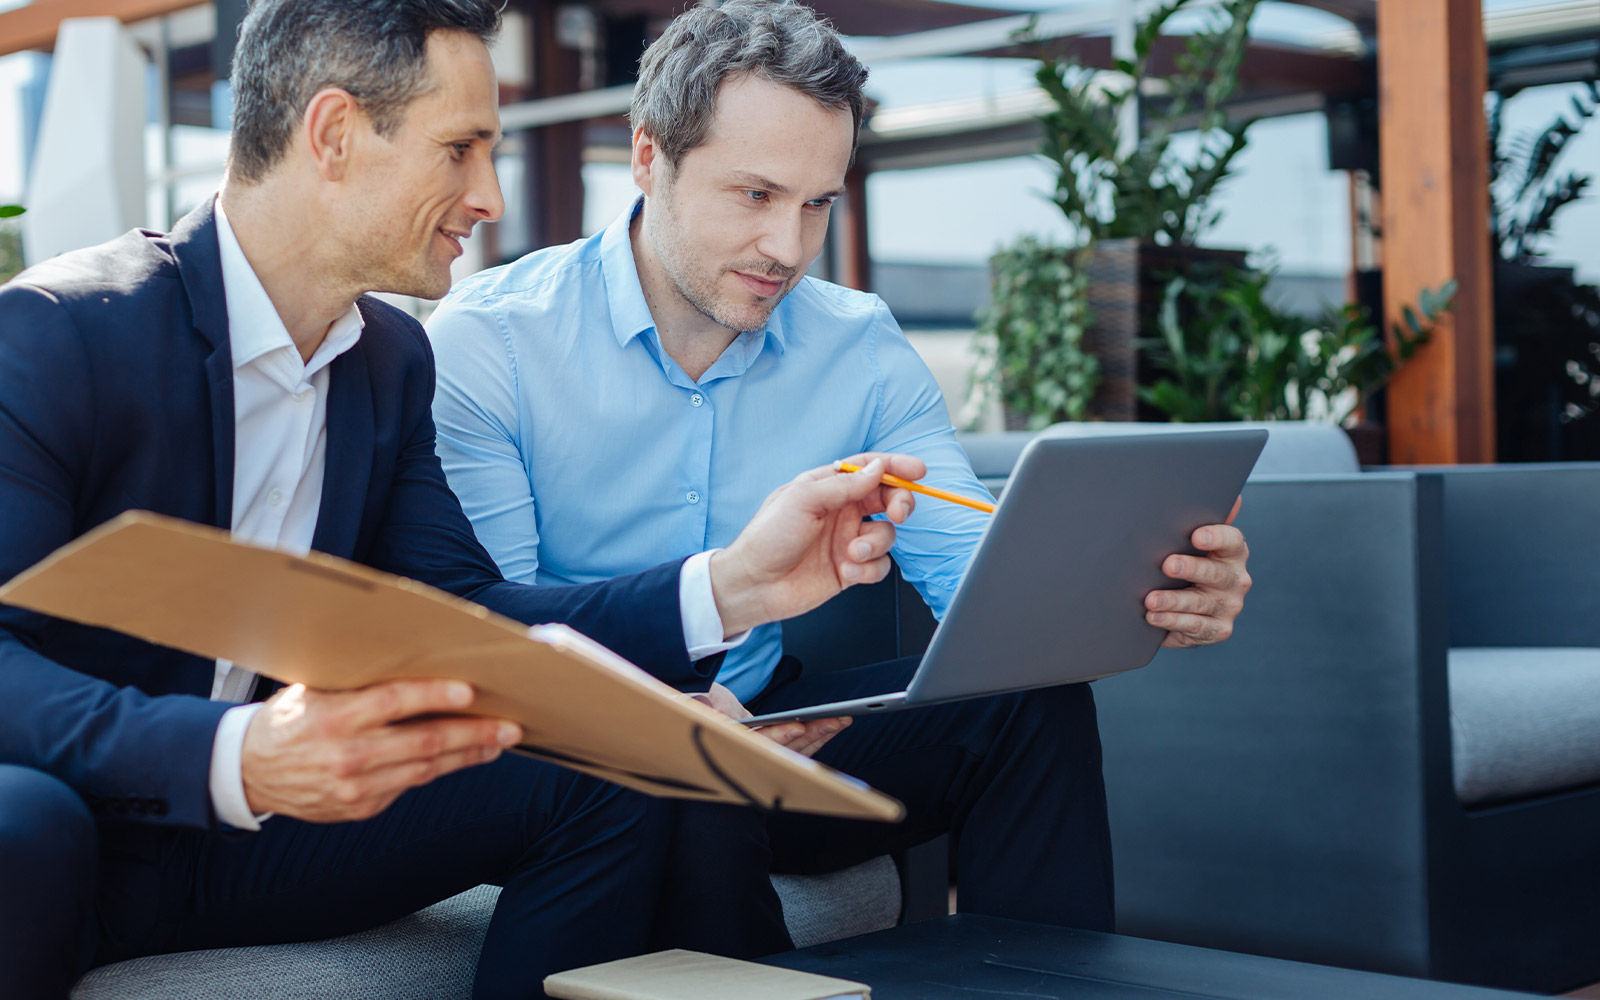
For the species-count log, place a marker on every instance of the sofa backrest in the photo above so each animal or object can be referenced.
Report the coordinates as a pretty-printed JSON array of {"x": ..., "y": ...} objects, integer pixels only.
[{"x": 1293, "y": 447}]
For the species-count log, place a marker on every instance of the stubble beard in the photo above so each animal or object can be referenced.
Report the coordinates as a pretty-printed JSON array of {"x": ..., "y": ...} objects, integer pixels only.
[{"x": 685, "y": 269}]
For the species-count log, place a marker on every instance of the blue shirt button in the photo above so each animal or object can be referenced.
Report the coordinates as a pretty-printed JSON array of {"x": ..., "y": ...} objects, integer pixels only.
[
  {"x": 696, "y": 399},
  {"x": 693, "y": 497}
]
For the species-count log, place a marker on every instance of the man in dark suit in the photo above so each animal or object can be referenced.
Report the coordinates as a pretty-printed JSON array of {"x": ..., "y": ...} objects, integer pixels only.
[{"x": 234, "y": 373}]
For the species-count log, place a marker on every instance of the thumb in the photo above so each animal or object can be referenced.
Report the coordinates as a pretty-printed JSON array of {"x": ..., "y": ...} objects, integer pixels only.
[{"x": 829, "y": 493}]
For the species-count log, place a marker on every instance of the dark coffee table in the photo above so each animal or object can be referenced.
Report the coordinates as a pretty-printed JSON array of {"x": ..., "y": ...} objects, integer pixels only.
[{"x": 968, "y": 957}]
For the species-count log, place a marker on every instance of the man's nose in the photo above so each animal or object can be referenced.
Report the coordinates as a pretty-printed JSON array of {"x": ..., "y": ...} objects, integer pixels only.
[
  {"x": 483, "y": 197},
  {"x": 782, "y": 240}
]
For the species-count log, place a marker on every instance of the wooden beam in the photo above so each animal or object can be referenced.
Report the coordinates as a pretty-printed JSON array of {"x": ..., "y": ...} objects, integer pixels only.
[
  {"x": 35, "y": 26},
  {"x": 1432, "y": 74},
  {"x": 554, "y": 152},
  {"x": 854, "y": 267}
]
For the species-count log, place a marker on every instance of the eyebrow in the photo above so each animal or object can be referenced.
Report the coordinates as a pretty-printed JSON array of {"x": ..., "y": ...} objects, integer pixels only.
[
  {"x": 757, "y": 181},
  {"x": 494, "y": 137}
]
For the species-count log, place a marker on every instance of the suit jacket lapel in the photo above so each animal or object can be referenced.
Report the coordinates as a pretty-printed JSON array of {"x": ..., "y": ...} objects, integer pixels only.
[
  {"x": 348, "y": 465},
  {"x": 194, "y": 245}
]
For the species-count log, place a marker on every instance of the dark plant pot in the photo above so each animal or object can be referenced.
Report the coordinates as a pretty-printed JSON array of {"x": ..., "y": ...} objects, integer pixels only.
[
  {"x": 1539, "y": 329},
  {"x": 1127, "y": 279},
  {"x": 1371, "y": 441},
  {"x": 1015, "y": 420}
]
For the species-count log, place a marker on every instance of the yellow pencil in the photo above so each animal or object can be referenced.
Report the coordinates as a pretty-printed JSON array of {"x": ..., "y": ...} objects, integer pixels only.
[{"x": 888, "y": 480}]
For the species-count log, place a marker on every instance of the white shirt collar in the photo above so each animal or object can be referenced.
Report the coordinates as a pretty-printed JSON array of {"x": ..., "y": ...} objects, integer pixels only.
[{"x": 254, "y": 327}]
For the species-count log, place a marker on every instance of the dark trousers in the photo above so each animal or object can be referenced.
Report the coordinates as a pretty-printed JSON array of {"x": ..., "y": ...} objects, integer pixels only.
[
  {"x": 580, "y": 861},
  {"x": 1015, "y": 779}
]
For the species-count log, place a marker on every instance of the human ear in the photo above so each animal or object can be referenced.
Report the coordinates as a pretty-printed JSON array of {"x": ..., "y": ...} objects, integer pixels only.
[
  {"x": 329, "y": 128},
  {"x": 647, "y": 161}
]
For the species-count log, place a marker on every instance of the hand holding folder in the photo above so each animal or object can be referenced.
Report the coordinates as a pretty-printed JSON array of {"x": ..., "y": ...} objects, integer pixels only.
[{"x": 335, "y": 625}]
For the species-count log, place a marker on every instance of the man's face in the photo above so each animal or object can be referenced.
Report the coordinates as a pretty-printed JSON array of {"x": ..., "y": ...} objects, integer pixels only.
[
  {"x": 738, "y": 220},
  {"x": 416, "y": 194}
]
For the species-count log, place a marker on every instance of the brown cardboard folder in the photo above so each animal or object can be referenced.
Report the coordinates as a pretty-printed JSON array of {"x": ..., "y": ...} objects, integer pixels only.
[{"x": 330, "y": 623}]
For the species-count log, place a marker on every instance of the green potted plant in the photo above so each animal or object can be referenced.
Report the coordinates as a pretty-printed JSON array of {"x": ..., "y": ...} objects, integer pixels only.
[
  {"x": 1253, "y": 360},
  {"x": 1031, "y": 336},
  {"x": 1136, "y": 205},
  {"x": 11, "y": 262}
]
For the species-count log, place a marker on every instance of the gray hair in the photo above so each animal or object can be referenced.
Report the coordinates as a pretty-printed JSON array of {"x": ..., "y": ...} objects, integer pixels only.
[
  {"x": 779, "y": 41},
  {"x": 377, "y": 50}
]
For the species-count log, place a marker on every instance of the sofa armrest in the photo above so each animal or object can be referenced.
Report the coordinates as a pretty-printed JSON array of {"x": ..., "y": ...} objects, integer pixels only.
[{"x": 1268, "y": 792}]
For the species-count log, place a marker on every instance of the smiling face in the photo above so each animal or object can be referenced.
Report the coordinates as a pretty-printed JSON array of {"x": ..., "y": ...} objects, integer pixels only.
[
  {"x": 416, "y": 194},
  {"x": 737, "y": 221}
]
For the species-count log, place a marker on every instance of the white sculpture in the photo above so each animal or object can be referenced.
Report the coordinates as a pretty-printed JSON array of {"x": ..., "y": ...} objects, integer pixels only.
[{"x": 87, "y": 183}]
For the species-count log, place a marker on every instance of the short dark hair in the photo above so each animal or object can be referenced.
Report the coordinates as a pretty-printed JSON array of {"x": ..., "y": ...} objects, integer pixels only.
[
  {"x": 375, "y": 49},
  {"x": 776, "y": 40}
]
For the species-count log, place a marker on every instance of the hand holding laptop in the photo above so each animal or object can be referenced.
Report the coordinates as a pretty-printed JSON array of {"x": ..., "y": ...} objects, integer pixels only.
[
  {"x": 1204, "y": 612},
  {"x": 804, "y": 738}
]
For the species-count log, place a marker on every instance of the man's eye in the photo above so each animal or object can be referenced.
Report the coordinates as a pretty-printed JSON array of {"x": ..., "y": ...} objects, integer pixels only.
[
  {"x": 461, "y": 149},
  {"x": 757, "y": 195},
  {"x": 823, "y": 203}
]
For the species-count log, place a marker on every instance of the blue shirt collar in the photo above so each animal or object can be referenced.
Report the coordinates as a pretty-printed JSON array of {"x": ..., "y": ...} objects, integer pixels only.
[{"x": 630, "y": 313}]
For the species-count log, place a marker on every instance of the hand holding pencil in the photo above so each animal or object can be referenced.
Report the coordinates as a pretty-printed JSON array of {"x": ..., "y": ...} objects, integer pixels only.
[{"x": 938, "y": 494}]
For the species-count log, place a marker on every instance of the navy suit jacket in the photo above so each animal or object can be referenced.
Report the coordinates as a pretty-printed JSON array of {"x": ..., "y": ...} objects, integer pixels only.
[{"x": 116, "y": 393}]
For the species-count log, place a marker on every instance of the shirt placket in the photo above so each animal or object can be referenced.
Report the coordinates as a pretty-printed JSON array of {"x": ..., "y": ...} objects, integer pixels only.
[
  {"x": 697, "y": 471},
  {"x": 290, "y": 468}
]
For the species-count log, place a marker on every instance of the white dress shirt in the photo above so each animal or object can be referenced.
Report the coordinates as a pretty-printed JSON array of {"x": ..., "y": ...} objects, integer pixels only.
[{"x": 280, "y": 408}]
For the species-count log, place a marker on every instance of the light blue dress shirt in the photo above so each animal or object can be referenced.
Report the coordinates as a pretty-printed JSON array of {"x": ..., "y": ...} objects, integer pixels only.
[{"x": 580, "y": 450}]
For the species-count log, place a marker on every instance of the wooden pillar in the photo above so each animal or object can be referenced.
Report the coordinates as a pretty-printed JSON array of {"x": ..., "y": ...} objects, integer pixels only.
[
  {"x": 554, "y": 152},
  {"x": 854, "y": 268},
  {"x": 1432, "y": 75}
]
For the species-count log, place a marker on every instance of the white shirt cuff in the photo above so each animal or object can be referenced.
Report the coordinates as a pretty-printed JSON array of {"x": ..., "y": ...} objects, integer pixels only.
[
  {"x": 227, "y": 774},
  {"x": 702, "y": 625}
]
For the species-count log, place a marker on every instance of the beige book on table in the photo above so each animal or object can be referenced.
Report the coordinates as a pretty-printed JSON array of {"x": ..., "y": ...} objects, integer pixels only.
[
  {"x": 333, "y": 624},
  {"x": 690, "y": 975}
]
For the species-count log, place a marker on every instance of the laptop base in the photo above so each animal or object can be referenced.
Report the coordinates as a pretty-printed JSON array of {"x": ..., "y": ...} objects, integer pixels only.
[{"x": 833, "y": 710}]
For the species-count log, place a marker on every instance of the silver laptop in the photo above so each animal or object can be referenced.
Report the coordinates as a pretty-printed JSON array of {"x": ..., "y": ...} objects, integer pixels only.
[{"x": 1055, "y": 592}]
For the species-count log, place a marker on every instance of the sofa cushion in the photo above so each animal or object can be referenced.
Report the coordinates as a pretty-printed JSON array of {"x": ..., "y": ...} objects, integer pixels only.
[
  {"x": 1523, "y": 721},
  {"x": 434, "y": 953},
  {"x": 822, "y": 908}
]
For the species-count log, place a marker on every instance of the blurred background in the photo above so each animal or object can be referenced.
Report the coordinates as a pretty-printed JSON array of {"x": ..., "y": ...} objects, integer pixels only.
[{"x": 1030, "y": 185}]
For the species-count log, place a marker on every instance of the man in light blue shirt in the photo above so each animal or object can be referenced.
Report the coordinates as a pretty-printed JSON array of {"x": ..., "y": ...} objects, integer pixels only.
[{"x": 647, "y": 387}]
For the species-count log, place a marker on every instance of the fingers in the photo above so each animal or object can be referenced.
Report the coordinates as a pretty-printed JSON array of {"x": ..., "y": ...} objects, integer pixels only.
[
  {"x": 817, "y": 733},
  {"x": 832, "y": 489},
  {"x": 1203, "y": 571},
  {"x": 1190, "y": 629},
  {"x": 858, "y": 573},
  {"x": 805, "y": 737},
  {"x": 897, "y": 503},
  {"x": 894, "y": 502},
  {"x": 904, "y": 466},
  {"x": 395, "y": 700},
  {"x": 783, "y": 733},
  {"x": 1221, "y": 540},
  {"x": 1193, "y": 601},
  {"x": 421, "y": 741},
  {"x": 366, "y": 795},
  {"x": 866, "y": 551}
]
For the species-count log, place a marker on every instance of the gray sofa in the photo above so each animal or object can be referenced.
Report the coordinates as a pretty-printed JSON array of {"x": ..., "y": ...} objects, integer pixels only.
[
  {"x": 1395, "y": 762},
  {"x": 433, "y": 954}
]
